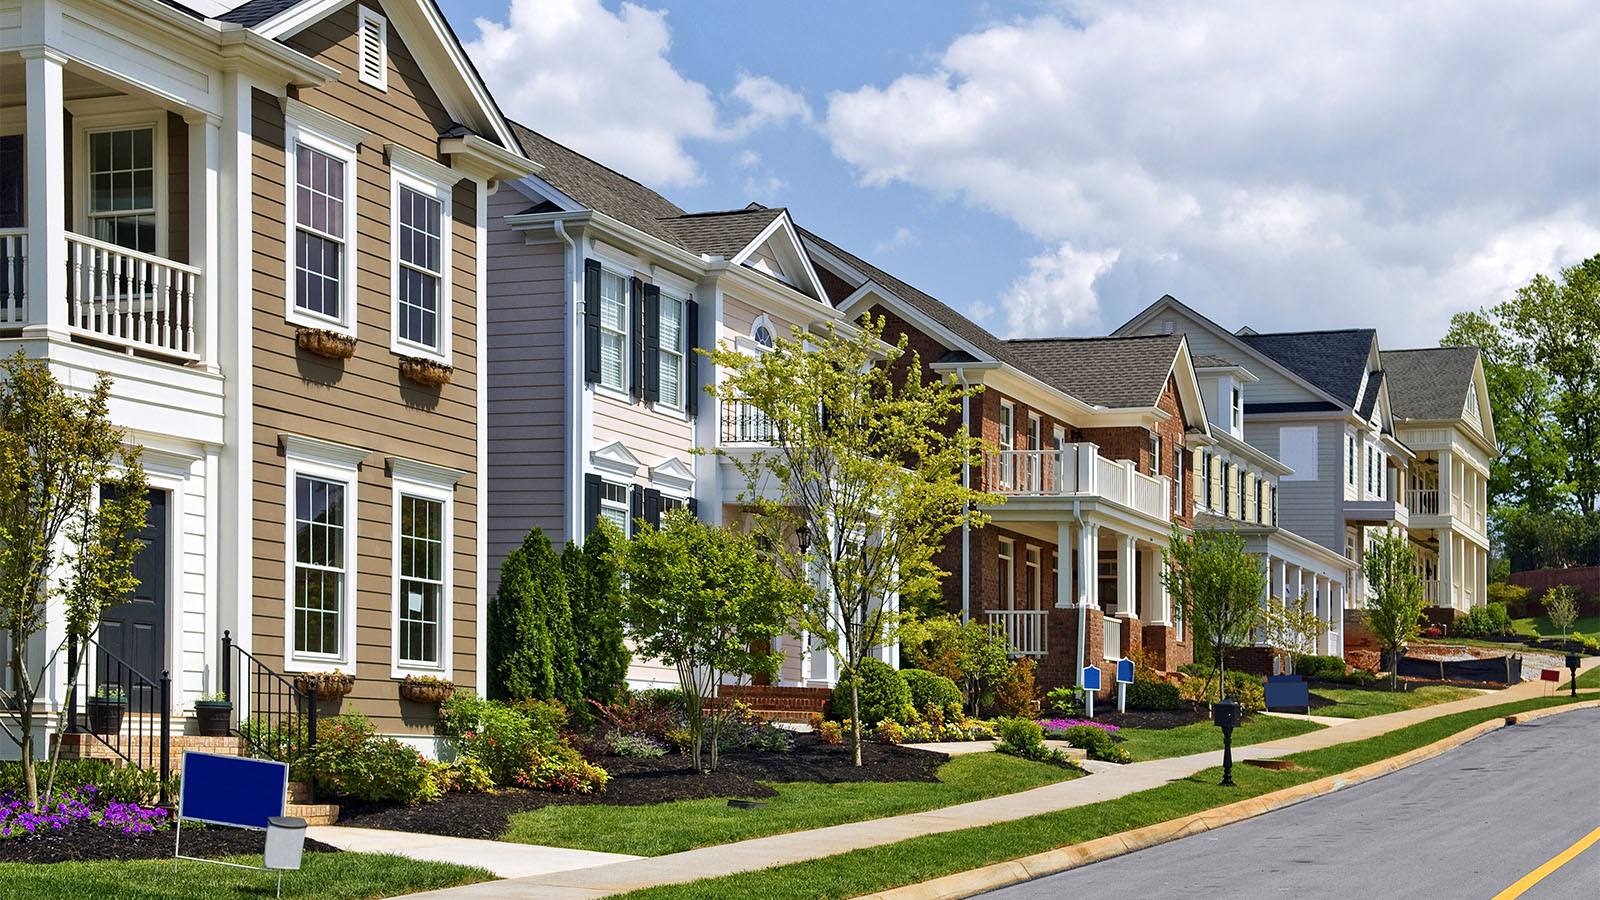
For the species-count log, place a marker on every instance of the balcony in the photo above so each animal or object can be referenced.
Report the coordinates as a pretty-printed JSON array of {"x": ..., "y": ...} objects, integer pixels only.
[
  {"x": 1376, "y": 512},
  {"x": 1027, "y": 631},
  {"x": 744, "y": 424},
  {"x": 1423, "y": 502},
  {"x": 1076, "y": 470}
]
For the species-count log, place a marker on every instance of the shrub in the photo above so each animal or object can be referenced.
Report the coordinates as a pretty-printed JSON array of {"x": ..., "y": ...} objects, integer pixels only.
[
  {"x": 1096, "y": 742},
  {"x": 1153, "y": 695},
  {"x": 498, "y": 735},
  {"x": 1484, "y": 622},
  {"x": 928, "y": 689},
  {"x": 1324, "y": 667},
  {"x": 934, "y": 645},
  {"x": 466, "y": 775},
  {"x": 349, "y": 760},
  {"x": 1066, "y": 700},
  {"x": 1513, "y": 596},
  {"x": 594, "y": 593},
  {"x": 661, "y": 698},
  {"x": 890, "y": 732},
  {"x": 1019, "y": 736},
  {"x": 832, "y": 732},
  {"x": 531, "y": 645},
  {"x": 1247, "y": 690},
  {"x": 744, "y": 730},
  {"x": 883, "y": 694},
  {"x": 636, "y": 715},
  {"x": 633, "y": 744},
  {"x": 555, "y": 766},
  {"x": 1016, "y": 695},
  {"x": 83, "y": 805},
  {"x": 112, "y": 784}
]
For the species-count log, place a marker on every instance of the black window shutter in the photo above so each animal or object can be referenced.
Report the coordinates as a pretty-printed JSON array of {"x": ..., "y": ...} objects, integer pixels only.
[
  {"x": 635, "y": 508},
  {"x": 591, "y": 320},
  {"x": 652, "y": 507},
  {"x": 592, "y": 488},
  {"x": 694, "y": 507},
  {"x": 691, "y": 365},
  {"x": 636, "y": 356},
  {"x": 652, "y": 343}
]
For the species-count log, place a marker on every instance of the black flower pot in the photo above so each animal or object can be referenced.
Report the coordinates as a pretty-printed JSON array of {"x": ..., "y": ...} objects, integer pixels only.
[
  {"x": 105, "y": 716},
  {"x": 213, "y": 717}
]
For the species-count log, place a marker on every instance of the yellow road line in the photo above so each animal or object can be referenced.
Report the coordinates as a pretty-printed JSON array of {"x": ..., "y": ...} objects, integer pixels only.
[{"x": 1539, "y": 874}]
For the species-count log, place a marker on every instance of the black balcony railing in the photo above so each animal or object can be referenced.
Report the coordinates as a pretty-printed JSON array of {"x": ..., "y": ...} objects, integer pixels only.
[
  {"x": 744, "y": 424},
  {"x": 125, "y": 710}
]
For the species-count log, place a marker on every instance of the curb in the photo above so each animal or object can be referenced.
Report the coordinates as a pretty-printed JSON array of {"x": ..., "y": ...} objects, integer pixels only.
[{"x": 1050, "y": 862}]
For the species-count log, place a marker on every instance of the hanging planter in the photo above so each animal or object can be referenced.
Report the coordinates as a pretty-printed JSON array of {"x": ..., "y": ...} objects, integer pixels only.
[
  {"x": 325, "y": 685},
  {"x": 426, "y": 372},
  {"x": 426, "y": 689},
  {"x": 325, "y": 343}
]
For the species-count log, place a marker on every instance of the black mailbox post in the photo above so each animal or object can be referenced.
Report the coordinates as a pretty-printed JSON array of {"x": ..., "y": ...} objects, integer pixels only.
[
  {"x": 1572, "y": 666},
  {"x": 1227, "y": 714}
]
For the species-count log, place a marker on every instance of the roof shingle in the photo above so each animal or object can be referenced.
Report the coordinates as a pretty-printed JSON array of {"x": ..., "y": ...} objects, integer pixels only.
[
  {"x": 1334, "y": 361},
  {"x": 1431, "y": 383},
  {"x": 1114, "y": 372}
]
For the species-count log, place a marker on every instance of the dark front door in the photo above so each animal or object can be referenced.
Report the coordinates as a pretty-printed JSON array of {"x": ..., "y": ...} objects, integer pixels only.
[{"x": 135, "y": 630}]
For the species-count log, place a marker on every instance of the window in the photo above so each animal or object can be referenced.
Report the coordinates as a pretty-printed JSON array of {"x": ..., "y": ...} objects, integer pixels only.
[
  {"x": 1177, "y": 481},
  {"x": 1259, "y": 510},
  {"x": 670, "y": 503},
  {"x": 321, "y": 566},
  {"x": 374, "y": 63},
  {"x": 1155, "y": 454},
  {"x": 614, "y": 504},
  {"x": 122, "y": 187},
  {"x": 421, "y": 559},
  {"x": 1033, "y": 585},
  {"x": 672, "y": 351},
  {"x": 321, "y": 258},
  {"x": 420, "y": 233},
  {"x": 1238, "y": 410},
  {"x": 1008, "y": 442},
  {"x": 1008, "y": 574},
  {"x": 1350, "y": 458},
  {"x": 1206, "y": 477},
  {"x": 1035, "y": 460},
  {"x": 613, "y": 331}
]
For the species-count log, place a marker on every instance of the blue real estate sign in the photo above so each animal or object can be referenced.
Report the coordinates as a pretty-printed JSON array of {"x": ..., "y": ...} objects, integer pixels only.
[
  {"x": 1091, "y": 678},
  {"x": 1287, "y": 692},
  {"x": 1124, "y": 671},
  {"x": 231, "y": 790}
]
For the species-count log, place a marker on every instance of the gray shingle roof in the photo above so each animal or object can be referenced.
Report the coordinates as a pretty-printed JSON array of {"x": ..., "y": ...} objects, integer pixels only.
[
  {"x": 1369, "y": 399},
  {"x": 1430, "y": 383},
  {"x": 1334, "y": 361},
  {"x": 1115, "y": 372},
  {"x": 723, "y": 233},
  {"x": 596, "y": 187},
  {"x": 254, "y": 12}
]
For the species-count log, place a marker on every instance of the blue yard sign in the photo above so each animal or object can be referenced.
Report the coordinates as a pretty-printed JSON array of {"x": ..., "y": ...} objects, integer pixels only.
[
  {"x": 232, "y": 790},
  {"x": 1287, "y": 692},
  {"x": 1124, "y": 671},
  {"x": 1091, "y": 678}
]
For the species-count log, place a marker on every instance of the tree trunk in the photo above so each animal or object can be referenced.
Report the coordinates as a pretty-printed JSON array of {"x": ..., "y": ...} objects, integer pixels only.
[
  {"x": 24, "y": 697},
  {"x": 855, "y": 710}
]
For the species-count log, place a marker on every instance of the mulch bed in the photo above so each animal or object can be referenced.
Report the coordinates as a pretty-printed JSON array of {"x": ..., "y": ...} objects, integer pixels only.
[
  {"x": 86, "y": 842},
  {"x": 639, "y": 782},
  {"x": 1187, "y": 714}
]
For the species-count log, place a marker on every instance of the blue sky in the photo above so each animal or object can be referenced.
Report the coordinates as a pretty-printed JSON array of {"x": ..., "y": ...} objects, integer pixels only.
[{"x": 1051, "y": 168}]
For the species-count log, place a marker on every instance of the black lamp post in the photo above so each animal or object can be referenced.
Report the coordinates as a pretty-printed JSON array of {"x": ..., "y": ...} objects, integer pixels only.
[
  {"x": 1226, "y": 714},
  {"x": 1572, "y": 666},
  {"x": 802, "y": 536}
]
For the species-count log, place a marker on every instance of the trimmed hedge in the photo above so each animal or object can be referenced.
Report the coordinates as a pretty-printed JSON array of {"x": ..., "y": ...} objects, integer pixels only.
[
  {"x": 884, "y": 694},
  {"x": 1324, "y": 667},
  {"x": 927, "y": 688},
  {"x": 1154, "y": 695}
]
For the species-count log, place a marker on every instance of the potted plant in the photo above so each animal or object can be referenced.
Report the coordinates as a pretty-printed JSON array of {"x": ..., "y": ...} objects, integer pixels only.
[
  {"x": 212, "y": 712},
  {"x": 426, "y": 372},
  {"x": 106, "y": 708},
  {"x": 426, "y": 689},
  {"x": 324, "y": 343},
  {"x": 325, "y": 685}
]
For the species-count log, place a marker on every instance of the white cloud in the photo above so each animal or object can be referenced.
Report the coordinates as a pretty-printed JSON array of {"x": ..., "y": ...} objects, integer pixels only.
[
  {"x": 903, "y": 237},
  {"x": 760, "y": 184},
  {"x": 602, "y": 83},
  {"x": 1057, "y": 295},
  {"x": 1297, "y": 164}
]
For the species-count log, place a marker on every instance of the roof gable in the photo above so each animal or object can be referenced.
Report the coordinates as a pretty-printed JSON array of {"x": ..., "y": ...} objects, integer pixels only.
[
  {"x": 1110, "y": 372},
  {"x": 1336, "y": 362}
]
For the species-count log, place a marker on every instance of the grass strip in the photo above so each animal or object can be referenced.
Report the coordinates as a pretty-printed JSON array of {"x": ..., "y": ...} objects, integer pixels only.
[
  {"x": 1357, "y": 704},
  {"x": 1161, "y": 743},
  {"x": 686, "y": 824},
  {"x": 1541, "y": 626},
  {"x": 860, "y": 872},
  {"x": 324, "y": 876},
  {"x": 1589, "y": 679}
]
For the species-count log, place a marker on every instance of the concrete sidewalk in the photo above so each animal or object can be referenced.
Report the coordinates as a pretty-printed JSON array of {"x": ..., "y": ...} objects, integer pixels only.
[
  {"x": 505, "y": 859},
  {"x": 782, "y": 849}
]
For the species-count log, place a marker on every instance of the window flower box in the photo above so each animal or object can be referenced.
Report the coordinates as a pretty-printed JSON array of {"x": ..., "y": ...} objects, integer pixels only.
[
  {"x": 325, "y": 685},
  {"x": 426, "y": 689},
  {"x": 426, "y": 372},
  {"x": 325, "y": 343}
]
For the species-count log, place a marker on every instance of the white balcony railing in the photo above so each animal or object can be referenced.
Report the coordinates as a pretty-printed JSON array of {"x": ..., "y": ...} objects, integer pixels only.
[
  {"x": 1076, "y": 469},
  {"x": 1423, "y": 502},
  {"x": 1112, "y": 631},
  {"x": 1027, "y": 630},
  {"x": 130, "y": 298},
  {"x": 13, "y": 276}
]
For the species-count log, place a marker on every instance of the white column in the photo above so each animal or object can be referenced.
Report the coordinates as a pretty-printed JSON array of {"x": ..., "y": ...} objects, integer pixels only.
[
  {"x": 1324, "y": 613},
  {"x": 1446, "y": 594},
  {"x": 1162, "y": 613},
  {"x": 1125, "y": 580},
  {"x": 1088, "y": 564},
  {"x": 1446, "y": 480},
  {"x": 205, "y": 150},
  {"x": 1294, "y": 585},
  {"x": 46, "y": 202},
  {"x": 1279, "y": 586},
  {"x": 1336, "y": 637},
  {"x": 1064, "y": 540},
  {"x": 1149, "y": 599}
]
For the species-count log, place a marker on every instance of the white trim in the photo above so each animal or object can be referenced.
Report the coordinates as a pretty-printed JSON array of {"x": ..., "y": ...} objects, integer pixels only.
[
  {"x": 615, "y": 459},
  {"x": 295, "y": 134},
  {"x": 401, "y": 176},
  {"x": 347, "y": 474},
  {"x": 419, "y": 165},
  {"x": 87, "y": 119},
  {"x": 480, "y": 481},
  {"x": 794, "y": 247},
  {"x": 297, "y": 446},
  {"x": 426, "y": 473},
  {"x": 401, "y": 486},
  {"x": 364, "y": 17},
  {"x": 673, "y": 475},
  {"x": 324, "y": 122}
]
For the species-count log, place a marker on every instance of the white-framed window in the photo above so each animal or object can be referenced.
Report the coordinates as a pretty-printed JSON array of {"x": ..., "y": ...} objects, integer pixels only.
[
  {"x": 123, "y": 195},
  {"x": 321, "y": 265},
  {"x": 1008, "y": 442},
  {"x": 761, "y": 332},
  {"x": 1238, "y": 411},
  {"x": 1155, "y": 454},
  {"x": 1008, "y": 574},
  {"x": 670, "y": 503},
  {"x": 1177, "y": 481},
  {"x": 1034, "y": 584},
  {"x": 674, "y": 334},
  {"x": 419, "y": 231},
  {"x": 320, "y": 542},
  {"x": 613, "y": 330},
  {"x": 422, "y": 551},
  {"x": 1351, "y": 462},
  {"x": 614, "y": 504},
  {"x": 373, "y": 32}
]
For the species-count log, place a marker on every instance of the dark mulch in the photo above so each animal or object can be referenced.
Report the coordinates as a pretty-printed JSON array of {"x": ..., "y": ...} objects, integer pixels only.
[
  {"x": 638, "y": 782},
  {"x": 1188, "y": 714},
  {"x": 88, "y": 843}
]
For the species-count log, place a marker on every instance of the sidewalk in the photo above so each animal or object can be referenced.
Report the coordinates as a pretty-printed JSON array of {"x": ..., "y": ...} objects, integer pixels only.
[
  {"x": 782, "y": 849},
  {"x": 503, "y": 858}
]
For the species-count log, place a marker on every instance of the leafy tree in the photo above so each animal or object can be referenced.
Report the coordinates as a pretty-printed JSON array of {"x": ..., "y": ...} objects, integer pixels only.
[
  {"x": 595, "y": 591},
  {"x": 1292, "y": 624},
  {"x": 1542, "y": 362},
  {"x": 59, "y": 548},
  {"x": 531, "y": 644},
  {"x": 708, "y": 601},
  {"x": 1561, "y": 605},
  {"x": 866, "y": 457},
  {"x": 1394, "y": 601},
  {"x": 971, "y": 653},
  {"x": 1218, "y": 585}
]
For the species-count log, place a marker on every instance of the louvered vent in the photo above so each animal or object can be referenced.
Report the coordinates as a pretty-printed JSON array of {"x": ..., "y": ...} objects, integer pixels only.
[{"x": 374, "y": 34}]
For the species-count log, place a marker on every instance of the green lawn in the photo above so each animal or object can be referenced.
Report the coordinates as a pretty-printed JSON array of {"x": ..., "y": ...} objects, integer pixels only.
[
  {"x": 325, "y": 876},
  {"x": 865, "y": 871},
  {"x": 1354, "y": 704},
  {"x": 686, "y": 824},
  {"x": 1589, "y": 679},
  {"x": 1152, "y": 743},
  {"x": 1539, "y": 626}
]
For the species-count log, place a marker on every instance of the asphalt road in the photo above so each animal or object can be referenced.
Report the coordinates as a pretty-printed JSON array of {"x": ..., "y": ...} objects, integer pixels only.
[{"x": 1464, "y": 825}]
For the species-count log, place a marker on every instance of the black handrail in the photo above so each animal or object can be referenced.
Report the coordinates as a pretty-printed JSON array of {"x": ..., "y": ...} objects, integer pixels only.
[
  {"x": 745, "y": 424},
  {"x": 277, "y": 708},
  {"x": 124, "y": 725}
]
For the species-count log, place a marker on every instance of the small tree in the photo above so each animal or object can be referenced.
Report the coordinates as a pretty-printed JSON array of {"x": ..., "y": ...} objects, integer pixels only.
[
  {"x": 972, "y": 654},
  {"x": 62, "y": 546},
  {"x": 865, "y": 457},
  {"x": 595, "y": 592},
  {"x": 1561, "y": 605},
  {"x": 1292, "y": 625},
  {"x": 1394, "y": 602},
  {"x": 707, "y": 601},
  {"x": 530, "y": 628},
  {"x": 1219, "y": 586}
]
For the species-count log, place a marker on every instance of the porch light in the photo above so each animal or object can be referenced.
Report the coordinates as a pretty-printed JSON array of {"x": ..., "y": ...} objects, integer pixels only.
[
  {"x": 1572, "y": 666},
  {"x": 1226, "y": 714},
  {"x": 803, "y": 536}
]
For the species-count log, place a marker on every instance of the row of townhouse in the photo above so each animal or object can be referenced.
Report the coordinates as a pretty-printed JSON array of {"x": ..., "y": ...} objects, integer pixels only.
[{"x": 370, "y": 332}]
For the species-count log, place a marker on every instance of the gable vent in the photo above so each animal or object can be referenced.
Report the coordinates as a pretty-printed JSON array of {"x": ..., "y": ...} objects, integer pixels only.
[{"x": 373, "y": 31}]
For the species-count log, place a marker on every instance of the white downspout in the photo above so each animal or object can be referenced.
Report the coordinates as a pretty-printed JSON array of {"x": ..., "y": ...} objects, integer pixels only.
[
  {"x": 1083, "y": 607},
  {"x": 966, "y": 484},
  {"x": 572, "y": 399}
]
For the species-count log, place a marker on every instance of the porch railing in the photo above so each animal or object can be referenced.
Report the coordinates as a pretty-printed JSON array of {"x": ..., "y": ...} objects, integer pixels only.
[
  {"x": 1027, "y": 630},
  {"x": 1076, "y": 469},
  {"x": 135, "y": 299},
  {"x": 744, "y": 424},
  {"x": 13, "y": 276},
  {"x": 276, "y": 719},
  {"x": 1112, "y": 643},
  {"x": 126, "y": 711},
  {"x": 1423, "y": 502}
]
